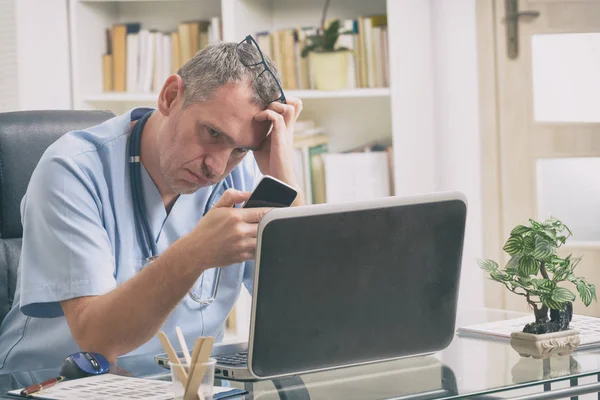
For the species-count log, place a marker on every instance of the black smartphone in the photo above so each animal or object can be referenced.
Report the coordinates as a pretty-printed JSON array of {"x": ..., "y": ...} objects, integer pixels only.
[{"x": 271, "y": 192}]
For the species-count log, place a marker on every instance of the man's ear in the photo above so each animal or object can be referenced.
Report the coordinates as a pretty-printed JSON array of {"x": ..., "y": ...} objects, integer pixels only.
[{"x": 171, "y": 94}]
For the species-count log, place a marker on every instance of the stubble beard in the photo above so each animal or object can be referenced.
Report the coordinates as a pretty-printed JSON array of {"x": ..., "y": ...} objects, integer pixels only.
[{"x": 178, "y": 186}]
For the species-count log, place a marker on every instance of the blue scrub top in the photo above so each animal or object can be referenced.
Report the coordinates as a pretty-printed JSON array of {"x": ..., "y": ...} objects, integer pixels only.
[{"x": 79, "y": 239}]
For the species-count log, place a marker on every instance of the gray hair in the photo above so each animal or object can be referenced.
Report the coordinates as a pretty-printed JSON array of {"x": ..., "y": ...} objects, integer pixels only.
[{"x": 222, "y": 63}]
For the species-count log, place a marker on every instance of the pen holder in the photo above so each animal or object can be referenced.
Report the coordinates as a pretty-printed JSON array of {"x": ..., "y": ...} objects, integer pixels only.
[{"x": 200, "y": 381}]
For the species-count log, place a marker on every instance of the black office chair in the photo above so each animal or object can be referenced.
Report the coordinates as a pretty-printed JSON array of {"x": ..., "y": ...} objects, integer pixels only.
[{"x": 24, "y": 136}]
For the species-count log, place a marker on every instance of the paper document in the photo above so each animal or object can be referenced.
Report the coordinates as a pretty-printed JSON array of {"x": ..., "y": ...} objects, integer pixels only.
[
  {"x": 356, "y": 176},
  {"x": 110, "y": 386},
  {"x": 588, "y": 327}
]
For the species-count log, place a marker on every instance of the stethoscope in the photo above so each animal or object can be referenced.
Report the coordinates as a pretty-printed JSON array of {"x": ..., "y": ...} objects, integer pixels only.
[{"x": 143, "y": 229}]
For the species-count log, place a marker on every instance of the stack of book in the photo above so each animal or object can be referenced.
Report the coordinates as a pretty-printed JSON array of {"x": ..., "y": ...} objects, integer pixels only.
[
  {"x": 310, "y": 142},
  {"x": 138, "y": 60},
  {"x": 367, "y": 65}
]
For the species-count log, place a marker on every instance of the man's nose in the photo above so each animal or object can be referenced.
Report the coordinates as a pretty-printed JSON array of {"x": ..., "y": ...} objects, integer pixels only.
[{"x": 217, "y": 162}]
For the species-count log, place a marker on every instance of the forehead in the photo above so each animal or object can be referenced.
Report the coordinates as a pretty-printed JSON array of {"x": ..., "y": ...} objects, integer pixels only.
[{"x": 231, "y": 110}]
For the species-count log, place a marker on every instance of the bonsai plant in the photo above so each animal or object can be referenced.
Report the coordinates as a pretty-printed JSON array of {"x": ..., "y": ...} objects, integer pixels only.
[
  {"x": 328, "y": 62},
  {"x": 535, "y": 271}
]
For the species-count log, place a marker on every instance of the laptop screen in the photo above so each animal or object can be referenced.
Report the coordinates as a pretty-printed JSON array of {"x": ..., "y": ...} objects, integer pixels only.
[{"x": 348, "y": 287}]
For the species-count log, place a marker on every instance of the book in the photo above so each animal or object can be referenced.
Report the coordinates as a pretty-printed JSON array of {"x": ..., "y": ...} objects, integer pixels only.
[
  {"x": 133, "y": 62},
  {"x": 119, "y": 57},
  {"x": 308, "y": 165},
  {"x": 107, "y": 72},
  {"x": 356, "y": 176},
  {"x": 317, "y": 173}
]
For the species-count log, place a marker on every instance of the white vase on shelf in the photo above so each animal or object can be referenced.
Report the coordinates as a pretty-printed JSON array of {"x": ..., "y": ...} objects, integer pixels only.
[{"x": 329, "y": 69}]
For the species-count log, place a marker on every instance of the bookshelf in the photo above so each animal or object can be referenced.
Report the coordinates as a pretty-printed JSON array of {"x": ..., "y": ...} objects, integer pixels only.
[
  {"x": 351, "y": 117},
  {"x": 90, "y": 18}
]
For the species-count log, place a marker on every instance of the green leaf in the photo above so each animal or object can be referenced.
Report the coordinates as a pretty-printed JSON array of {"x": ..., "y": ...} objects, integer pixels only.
[
  {"x": 552, "y": 221},
  {"x": 528, "y": 266},
  {"x": 525, "y": 282},
  {"x": 543, "y": 249},
  {"x": 528, "y": 244},
  {"x": 512, "y": 266},
  {"x": 488, "y": 265},
  {"x": 562, "y": 270},
  {"x": 331, "y": 35},
  {"x": 307, "y": 49},
  {"x": 584, "y": 293},
  {"x": 514, "y": 245},
  {"x": 546, "y": 285},
  {"x": 536, "y": 225},
  {"x": 519, "y": 230},
  {"x": 562, "y": 239},
  {"x": 561, "y": 295},
  {"x": 551, "y": 233},
  {"x": 499, "y": 276},
  {"x": 550, "y": 303},
  {"x": 575, "y": 262},
  {"x": 592, "y": 290}
]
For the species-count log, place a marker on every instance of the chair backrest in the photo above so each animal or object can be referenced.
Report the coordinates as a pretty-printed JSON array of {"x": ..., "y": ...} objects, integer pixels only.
[{"x": 24, "y": 137}]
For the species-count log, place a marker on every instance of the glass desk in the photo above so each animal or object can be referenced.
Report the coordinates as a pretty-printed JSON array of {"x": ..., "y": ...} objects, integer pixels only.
[{"x": 468, "y": 368}]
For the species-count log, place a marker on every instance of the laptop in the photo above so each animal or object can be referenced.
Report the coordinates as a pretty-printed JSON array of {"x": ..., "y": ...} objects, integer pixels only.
[{"x": 345, "y": 284}]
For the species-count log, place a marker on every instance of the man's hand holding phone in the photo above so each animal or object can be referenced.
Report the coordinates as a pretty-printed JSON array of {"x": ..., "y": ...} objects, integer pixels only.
[{"x": 226, "y": 235}]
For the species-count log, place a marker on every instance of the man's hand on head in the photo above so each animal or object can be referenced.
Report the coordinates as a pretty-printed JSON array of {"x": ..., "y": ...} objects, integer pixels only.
[{"x": 275, "y": 156}]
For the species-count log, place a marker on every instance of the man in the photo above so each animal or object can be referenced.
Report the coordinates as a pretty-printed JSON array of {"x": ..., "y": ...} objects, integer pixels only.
[{"x": 84, "y": 282}]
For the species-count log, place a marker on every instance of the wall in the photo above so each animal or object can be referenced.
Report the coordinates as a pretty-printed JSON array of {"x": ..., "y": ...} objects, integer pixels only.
[
  {"x": 411, "y": 86},
  {"x": 456, "y": 117},
  {"x": 8, "y": 51},
  {"x": 43, "y": 54}
]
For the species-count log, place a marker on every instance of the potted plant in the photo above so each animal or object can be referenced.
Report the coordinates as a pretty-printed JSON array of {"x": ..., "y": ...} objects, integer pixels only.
[
  {"x": 536, "y": 272},
  {"x": 328, "y": 63}
]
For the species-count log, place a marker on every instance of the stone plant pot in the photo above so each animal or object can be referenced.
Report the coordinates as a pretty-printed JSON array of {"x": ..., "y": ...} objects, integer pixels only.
[
  {"x": 545, "y": 339},
  {"x": 329, "y": 70},
  {"x": 545, "y": 345}
]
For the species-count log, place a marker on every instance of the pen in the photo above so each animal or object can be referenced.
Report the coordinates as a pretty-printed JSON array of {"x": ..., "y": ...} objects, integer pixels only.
[{"x": 39, "y": 386}]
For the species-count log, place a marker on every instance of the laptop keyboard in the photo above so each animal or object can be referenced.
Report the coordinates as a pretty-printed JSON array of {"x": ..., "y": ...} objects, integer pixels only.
[{"x": 233, "y": 359}]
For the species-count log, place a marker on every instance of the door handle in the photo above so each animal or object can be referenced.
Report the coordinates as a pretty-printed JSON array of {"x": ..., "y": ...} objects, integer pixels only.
[
  {"x": 516, "y": 15},
  {"x": 511, "y": 20}
]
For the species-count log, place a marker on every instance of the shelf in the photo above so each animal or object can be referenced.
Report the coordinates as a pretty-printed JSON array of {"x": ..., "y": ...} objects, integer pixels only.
[
  {"x": 322, "y": 94},
  {"x": 111, "y": 97},
  {"x": 302, "y": 94}
]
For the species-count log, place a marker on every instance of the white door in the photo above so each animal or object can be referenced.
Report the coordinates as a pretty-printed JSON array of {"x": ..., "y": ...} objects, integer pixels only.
[{"x": 540, "y": 82}]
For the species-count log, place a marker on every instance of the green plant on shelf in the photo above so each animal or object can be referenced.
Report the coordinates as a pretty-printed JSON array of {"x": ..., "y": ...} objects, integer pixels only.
[{"x": 327, "y": 36}]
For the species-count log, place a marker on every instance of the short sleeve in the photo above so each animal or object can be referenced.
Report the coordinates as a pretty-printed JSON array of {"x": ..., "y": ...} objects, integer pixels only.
[
  {"x": 66, "y": 251},
  {"x": 253, "y": 175},
  {"x": 248, "y": 277}
]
